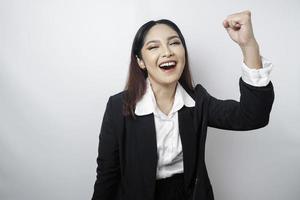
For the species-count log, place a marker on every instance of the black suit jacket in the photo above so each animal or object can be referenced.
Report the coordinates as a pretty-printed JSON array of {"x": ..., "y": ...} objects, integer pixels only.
[{"x": 127, "y": 157}]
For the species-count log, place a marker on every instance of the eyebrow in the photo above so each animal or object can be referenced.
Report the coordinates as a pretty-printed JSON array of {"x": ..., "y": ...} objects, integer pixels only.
[{"x": 169, "y": 38}]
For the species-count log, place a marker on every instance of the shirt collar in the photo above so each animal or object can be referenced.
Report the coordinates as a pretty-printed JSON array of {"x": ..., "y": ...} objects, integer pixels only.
[{"x": 147, "y": 104}]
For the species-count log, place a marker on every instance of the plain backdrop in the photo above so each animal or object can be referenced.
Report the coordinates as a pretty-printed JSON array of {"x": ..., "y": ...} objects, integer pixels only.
[{"x": 60, "y": 60}]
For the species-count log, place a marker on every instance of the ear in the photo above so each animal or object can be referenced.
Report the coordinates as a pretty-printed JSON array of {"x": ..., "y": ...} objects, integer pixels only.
[{"x": 141, "y": 63}]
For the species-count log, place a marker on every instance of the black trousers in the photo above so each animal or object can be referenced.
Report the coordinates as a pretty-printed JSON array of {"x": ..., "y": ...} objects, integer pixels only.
[{"x": 171, "y": 188}]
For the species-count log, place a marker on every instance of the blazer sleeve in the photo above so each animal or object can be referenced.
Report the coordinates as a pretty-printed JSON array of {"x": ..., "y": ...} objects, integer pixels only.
[
  {"x": 251, "y": 112},
  {"x": 108, "y": 169}
]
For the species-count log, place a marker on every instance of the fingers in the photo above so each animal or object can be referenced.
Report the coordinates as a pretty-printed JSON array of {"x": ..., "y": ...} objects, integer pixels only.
[
  {"x": 231, "y": 24},
  {"x": 225, "y": 23},
  {"x": 235, "y": 21}
]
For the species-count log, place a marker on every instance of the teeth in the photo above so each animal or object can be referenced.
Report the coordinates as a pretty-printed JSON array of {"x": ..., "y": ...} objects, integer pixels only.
[{"x": 167, "y": 64}]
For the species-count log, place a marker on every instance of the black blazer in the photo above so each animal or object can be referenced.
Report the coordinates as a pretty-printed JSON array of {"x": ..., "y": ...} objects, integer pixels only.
[{"x": 127, "y": 157}]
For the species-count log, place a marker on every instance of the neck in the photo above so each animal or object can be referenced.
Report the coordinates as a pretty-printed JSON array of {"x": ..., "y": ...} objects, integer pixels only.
[{"x": 164, "y": 95}]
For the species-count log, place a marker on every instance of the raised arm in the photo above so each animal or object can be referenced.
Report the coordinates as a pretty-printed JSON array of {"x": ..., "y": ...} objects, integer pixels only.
[
  {"x": 251, "y": 112},
  {"x": 257, "y": 94},
  {"x": 239, "y": 28}
]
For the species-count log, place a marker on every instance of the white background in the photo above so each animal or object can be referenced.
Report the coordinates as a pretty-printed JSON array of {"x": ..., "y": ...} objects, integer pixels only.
[{"x": 60, "y": 60}]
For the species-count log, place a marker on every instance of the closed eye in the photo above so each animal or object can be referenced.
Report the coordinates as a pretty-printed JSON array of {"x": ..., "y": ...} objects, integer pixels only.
[
  {"x": 175, "y": 43},
  {"x": 152, "y": 47}
]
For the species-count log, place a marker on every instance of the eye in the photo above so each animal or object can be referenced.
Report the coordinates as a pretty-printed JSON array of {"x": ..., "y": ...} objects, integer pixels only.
[
  {"x": 152, "y": 47},
  {"x": 175, "y": 43}
]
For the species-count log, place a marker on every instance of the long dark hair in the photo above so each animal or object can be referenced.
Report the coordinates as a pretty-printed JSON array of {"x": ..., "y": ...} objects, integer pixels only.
[{"x": 136, "y": 82}]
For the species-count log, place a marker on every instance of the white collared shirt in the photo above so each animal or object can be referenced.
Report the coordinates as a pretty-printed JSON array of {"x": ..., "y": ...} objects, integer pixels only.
[
  {"x": 169, "y": 148},
  {"x": 170, "y": 160}
]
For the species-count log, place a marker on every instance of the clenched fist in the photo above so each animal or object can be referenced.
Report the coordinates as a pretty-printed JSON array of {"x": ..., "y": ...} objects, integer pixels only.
[{"x": 239, "y": 28}]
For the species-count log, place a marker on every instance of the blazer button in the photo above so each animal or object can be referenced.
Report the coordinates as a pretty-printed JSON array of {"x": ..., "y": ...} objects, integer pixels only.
[{"x": 196, "y": 180}]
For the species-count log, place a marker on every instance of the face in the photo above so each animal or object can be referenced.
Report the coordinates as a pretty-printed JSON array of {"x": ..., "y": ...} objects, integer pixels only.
[{"x": 163, "y": 55}]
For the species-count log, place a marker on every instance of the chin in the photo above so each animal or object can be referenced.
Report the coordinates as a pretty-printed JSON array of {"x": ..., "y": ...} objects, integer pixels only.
[{"x": 170, "y": 81}]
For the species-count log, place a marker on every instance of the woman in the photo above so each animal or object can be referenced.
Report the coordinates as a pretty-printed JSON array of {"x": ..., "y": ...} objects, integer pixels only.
[{"x": 152, "y": 138}]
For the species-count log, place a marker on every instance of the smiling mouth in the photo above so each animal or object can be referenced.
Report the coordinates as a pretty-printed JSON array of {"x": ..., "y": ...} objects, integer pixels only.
[{"x": 167, "y": 65}]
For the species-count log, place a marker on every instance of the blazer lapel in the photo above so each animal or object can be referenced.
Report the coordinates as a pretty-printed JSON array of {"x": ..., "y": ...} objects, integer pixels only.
[
  {"x": 189, "y": 142},
  {"x": 142, "y": 132},
  {"x": 142, "y": 136}
]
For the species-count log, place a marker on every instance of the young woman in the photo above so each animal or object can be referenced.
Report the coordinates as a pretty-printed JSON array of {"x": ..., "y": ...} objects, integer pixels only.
[{"x": 152, "y": 139}]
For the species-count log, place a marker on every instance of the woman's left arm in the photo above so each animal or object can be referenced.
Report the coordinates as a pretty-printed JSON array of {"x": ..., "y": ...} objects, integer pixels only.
[
  {"x": 251, "y": 112},
  {"x": 257, "y": 94}
]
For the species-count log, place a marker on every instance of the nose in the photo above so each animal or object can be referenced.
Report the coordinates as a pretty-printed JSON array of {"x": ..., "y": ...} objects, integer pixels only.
[{"x": 167, "y": 52}]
